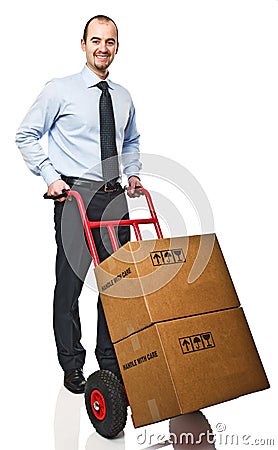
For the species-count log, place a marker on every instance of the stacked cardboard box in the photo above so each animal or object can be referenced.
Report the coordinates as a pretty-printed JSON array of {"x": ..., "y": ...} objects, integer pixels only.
[{"x": 180, "y": 335}]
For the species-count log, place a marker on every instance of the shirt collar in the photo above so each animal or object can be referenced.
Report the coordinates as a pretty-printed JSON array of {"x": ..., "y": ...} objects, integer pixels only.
[{"x": 91, "y": 79}]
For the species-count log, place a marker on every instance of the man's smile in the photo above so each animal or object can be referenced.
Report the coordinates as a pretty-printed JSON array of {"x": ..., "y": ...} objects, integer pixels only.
[{"x": 102, "y": 57}]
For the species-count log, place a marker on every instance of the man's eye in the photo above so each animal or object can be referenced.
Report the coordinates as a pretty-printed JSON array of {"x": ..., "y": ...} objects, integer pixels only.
[
  {"x": 95, "y": 41},
  {"x": 110, "y": 42}
]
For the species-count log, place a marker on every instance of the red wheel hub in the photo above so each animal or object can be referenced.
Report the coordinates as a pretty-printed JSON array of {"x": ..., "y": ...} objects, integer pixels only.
[{"x": 98, "y": 404}]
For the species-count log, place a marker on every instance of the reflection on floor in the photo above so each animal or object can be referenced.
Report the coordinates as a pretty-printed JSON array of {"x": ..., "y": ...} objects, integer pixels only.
[{"x": 186, "y": 431}]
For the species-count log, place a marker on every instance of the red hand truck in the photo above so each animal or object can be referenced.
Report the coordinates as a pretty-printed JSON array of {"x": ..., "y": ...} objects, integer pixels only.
[{"x": 105, "y": 397}]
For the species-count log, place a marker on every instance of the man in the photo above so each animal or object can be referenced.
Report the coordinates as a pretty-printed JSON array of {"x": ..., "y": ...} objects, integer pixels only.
[{"x": 82, "y": 142}]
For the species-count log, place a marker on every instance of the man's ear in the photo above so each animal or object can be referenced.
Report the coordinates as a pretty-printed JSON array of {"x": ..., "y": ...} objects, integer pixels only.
[{"x": 83, "y": 44}]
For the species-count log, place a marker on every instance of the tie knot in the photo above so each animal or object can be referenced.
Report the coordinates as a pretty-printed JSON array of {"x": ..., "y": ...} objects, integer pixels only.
[{"x": 103, "y": 85}]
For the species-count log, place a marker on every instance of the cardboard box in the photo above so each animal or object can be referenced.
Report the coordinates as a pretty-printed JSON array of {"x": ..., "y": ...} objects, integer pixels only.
[
  {"x": 181, "y": 339},
  {"x": 152, "y": 281},
  {"x": 179, "y": 366}
]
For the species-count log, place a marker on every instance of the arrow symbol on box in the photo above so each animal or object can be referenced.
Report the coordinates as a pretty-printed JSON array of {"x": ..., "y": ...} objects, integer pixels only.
[
  {"x": 187, "y": 344},
  {"x": 157, "y": 258}
]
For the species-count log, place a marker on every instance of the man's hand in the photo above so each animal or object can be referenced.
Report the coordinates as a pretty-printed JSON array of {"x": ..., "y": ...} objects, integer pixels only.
[
  {"x": 56, "y": 188},
  {"x": 134, "y": 183}
]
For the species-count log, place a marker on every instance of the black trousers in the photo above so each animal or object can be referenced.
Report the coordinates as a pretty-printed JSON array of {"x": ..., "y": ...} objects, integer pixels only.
[{"x": 72, "y": 264}]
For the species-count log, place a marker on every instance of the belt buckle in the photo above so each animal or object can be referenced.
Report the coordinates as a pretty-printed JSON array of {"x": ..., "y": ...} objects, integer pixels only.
[{"x": 108, "y": 187}]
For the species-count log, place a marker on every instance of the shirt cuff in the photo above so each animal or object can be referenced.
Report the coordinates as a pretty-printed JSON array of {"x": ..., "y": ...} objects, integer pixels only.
[
  {"x": 132, "y": 171},
  {"x": 49, "y": 174}
]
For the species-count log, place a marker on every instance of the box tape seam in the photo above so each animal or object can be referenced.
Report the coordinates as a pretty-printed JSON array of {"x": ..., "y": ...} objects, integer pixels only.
[
  {"x": 152, "y": 404},
  {"x": 169, "y": 370},
  {"x": 135, "y": 342}
]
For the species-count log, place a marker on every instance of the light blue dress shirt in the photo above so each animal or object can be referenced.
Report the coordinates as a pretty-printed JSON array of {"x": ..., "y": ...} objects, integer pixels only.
[{"x": 68, "y": 109}]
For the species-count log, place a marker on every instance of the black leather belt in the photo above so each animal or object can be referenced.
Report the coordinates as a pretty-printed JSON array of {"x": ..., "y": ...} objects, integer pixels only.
[{"x": 91, "y": 184}]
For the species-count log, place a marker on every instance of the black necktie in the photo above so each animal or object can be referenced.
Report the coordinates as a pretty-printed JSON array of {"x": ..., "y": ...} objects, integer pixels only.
[{"x": 109, "y": 155}]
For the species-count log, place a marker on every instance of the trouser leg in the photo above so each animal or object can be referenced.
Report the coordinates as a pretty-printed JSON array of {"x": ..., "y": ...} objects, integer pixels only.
[
  {"x": 72, "y": 263},
  {"x": 69, "y": 283},
  {"x": 113, "y": 207}
]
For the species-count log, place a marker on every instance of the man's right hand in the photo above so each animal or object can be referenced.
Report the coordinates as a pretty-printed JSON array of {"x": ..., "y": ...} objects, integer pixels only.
[{"x": 56, "y": 188}]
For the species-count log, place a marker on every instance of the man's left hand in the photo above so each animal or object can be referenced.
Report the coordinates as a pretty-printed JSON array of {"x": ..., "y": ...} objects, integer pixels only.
[{"x": 134, "y": 183}]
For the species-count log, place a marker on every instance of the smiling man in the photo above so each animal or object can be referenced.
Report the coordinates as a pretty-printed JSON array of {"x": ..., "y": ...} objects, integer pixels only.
[
  {"x": 92, "y": 131},
  {"x": 100, "y": 43}
]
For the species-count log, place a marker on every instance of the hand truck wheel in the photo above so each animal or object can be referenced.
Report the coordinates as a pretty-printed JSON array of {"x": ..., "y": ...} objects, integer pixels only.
[{"x": 106, "y": 403}]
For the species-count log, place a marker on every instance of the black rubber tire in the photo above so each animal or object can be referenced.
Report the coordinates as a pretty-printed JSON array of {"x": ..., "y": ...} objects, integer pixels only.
[{"x": 108, "y": 384}]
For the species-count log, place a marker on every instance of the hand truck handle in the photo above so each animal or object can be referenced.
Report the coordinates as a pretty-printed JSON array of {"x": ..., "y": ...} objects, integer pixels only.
[
  {"x": 64, "y": 193},
  {"x": 110, "y": 224},
  {"x": 55, "y": 197}
]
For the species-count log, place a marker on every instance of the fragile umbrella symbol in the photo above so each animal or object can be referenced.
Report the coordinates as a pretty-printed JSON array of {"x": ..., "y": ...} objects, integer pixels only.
[
  {"x": 197, "y": 341},
  {"x": 168, "y": 256}
]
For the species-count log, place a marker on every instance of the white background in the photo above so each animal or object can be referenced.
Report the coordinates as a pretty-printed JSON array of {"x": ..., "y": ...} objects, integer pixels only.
[{"x": 203, "y": 76}]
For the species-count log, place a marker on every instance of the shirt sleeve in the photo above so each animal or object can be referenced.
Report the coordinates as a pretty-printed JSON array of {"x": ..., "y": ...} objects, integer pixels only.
[
  {"x": 35, "y": 124},
  {"x": 130, "y": 152}
]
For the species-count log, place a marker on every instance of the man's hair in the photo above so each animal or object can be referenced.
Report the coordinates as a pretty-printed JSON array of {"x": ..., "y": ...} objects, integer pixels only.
[{"x": 101, "y": 18}]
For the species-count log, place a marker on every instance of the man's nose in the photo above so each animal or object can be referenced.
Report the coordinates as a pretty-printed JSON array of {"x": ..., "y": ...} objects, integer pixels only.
[{"x": 102, "y": 46}]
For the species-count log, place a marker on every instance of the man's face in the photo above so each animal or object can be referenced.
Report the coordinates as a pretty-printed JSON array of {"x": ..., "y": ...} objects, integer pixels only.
[{"x": 101, "y": 46}]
